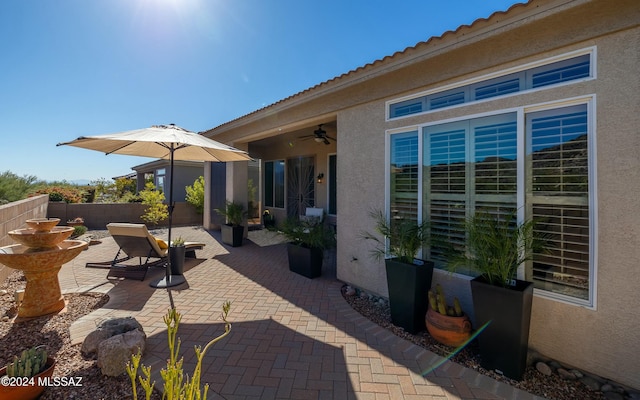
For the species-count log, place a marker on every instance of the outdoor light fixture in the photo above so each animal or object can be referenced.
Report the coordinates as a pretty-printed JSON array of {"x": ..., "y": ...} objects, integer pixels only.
[{"x": 320, "y": 176}]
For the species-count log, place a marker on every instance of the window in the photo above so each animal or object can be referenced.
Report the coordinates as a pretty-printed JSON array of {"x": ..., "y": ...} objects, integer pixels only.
[
  {"x": 274, "y": 184},
  {"x": 526, "y": 78},
  {"x": 558, "y": 197},
  {"x": 160, "y": 177},
  {"x": 467, "y": 165},
  {"x": 485, "y": 164},
  {"x": 404, "y": 175}
]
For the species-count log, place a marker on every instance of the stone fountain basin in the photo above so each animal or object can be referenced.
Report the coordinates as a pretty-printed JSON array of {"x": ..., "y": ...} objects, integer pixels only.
[
  {"x": 42, "y": 224},
  {"x": 36, "y": 239},
  {"x": 27, "y": 259}
]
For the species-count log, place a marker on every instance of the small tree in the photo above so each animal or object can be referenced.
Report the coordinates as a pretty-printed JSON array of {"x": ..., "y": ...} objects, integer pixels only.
[
  {"x": 195, "y": 194},
  {"x": 157, "y": 210}
]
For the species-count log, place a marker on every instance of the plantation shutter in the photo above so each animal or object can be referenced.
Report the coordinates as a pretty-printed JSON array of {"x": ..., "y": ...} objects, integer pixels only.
[{"x": 558, "y": 198}]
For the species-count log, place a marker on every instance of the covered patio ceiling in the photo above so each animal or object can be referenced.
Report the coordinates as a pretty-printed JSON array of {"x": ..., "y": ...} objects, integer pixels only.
[{"x": 292, "y": 137}]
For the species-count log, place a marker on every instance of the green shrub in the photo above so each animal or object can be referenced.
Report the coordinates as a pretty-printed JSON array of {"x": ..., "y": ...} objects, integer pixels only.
[
  {"x": 195, "y": 194},
  {"x": 79, "y": 231},
  {"x": 157, "y": 210}
]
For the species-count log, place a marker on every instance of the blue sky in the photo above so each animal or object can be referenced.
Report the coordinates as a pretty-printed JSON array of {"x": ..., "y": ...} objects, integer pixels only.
[{"x": 76, "y": 67}]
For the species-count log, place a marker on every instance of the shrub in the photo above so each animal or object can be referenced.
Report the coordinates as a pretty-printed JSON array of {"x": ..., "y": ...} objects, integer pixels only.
[
  {"x": 68, "y": 194},
  {"x": 157, "y": 210},
  {"x": 79, "y": 231},
  {"x": 195, "y": 194}
]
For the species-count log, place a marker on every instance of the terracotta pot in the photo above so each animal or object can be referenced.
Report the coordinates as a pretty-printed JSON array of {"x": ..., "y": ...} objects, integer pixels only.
[
  {"x": 450, "y": 331},
  {"x": 26, "y": 392}
]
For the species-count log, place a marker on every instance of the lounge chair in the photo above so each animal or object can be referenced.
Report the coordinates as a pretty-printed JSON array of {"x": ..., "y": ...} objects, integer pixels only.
[{"x": 135, "y": 240}]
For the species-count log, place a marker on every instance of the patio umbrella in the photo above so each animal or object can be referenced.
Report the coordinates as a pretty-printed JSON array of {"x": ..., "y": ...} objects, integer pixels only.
[{"x": 162, "y": 141}]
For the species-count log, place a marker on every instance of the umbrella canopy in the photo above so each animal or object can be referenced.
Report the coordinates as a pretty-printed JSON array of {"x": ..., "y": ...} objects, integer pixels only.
[
  {"x": 162, "y": 141},
  {"x": 158, "y": 142}
]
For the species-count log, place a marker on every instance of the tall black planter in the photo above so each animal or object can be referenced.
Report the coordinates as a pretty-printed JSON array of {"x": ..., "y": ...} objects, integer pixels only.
[
  {"x": 176, "y": 256},
  {"x": 305, "y": 261},
  {"x": 408, "y": 286},
  {"x": 232, "y": 235},
  {"x": 504, "y": 342}
]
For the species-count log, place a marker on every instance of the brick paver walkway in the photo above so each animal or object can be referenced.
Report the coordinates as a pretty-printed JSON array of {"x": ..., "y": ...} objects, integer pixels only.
[{"x": 292, "y": 337}]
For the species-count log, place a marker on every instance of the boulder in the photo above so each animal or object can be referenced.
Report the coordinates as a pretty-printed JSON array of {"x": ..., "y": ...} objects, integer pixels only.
[
  {"x": 107, "y": 329},
  {"x": 115, "y": 352}
]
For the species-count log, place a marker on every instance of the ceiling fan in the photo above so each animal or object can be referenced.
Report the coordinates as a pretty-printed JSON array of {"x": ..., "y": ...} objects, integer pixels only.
[{"x": 319, "y": 135}]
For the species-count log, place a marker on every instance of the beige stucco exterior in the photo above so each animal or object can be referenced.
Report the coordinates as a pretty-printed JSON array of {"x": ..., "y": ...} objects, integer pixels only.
[{"x": 603, "y": 338}]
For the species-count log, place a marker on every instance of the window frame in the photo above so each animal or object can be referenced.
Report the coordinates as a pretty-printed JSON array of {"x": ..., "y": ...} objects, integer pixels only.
[
  {"x": 469, "y": 85},
  {"x": 521, "y": 112},
  {"x": 273, "y": 188}
]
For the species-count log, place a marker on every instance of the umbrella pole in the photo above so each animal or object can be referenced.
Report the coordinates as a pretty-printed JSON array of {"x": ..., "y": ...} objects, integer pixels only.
[{"x": 169, "y": 279}]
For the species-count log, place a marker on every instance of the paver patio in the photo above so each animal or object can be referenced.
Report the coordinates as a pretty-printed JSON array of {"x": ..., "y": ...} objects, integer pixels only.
[{"x": 292, "y": 337}]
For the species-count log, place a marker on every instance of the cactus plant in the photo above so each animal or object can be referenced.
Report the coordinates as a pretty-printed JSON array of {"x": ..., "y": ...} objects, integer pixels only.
[
  {"x": 438, "y": 303},
  {"x": 30, "y": 363}
]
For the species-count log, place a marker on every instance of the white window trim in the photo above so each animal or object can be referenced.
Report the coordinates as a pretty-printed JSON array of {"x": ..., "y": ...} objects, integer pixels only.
[
  {"x": 590, "y": 101},
  {"x": 592, "y": 51}
]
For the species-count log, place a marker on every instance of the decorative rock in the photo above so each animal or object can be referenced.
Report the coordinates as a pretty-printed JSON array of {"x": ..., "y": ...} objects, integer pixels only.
[
  {"x": 606, "y": 388},
  {"x": 566, "y": 375},
  {"x": 577, "y": 373},
  {"x": 633, "y": 395},
  {"x": 381, "y": 303},
  {"x": 115, "y": 352},
  {"x": 107, "y": 329},
  {"x": 3, "y": 292},
  {"x": 5, "y": 319},
  {"x": 350, "y": 291},
  {"x": 555, "y": 365},
  {"x": 613, "y": 396},
  {"x": 543, "y": 368},
  {"x": 590, "y": 383}
]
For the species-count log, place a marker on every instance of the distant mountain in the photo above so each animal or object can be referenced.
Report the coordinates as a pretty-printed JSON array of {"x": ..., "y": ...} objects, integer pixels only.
[{"x": 80, "y": 182}]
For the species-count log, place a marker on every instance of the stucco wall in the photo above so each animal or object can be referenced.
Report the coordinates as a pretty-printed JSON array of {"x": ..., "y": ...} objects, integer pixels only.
[{"x": 604, "y": 340}]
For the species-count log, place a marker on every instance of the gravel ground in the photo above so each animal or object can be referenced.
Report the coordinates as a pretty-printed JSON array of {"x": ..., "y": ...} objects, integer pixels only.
[
  {"x": 53, "y": 331},
  {"x": 550, "y": 387}
]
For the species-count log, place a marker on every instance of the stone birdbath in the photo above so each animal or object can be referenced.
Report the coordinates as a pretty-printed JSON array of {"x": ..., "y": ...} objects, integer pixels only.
[{"x": 41, "y": 252}]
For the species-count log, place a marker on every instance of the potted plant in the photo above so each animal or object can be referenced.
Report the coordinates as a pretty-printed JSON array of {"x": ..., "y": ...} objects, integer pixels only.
[
  {"x": 408, "y": 279},
  {"x": 233, "y": 231},
  {"x": 268, "y": 219},
  {"x": 176, "y": 256},
  {"x": 495, "y": 248},
  {"x": 77, "y": 221},
  {"x": 448, "y": 325},
  {"x": 29, "y": 370},
  {"x": 307, "y": 241}
]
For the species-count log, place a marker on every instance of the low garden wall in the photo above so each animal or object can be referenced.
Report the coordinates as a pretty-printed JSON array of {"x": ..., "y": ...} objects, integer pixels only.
[
  {"x": 14, "y": 215},
  {"x": 98, "y": 215}
]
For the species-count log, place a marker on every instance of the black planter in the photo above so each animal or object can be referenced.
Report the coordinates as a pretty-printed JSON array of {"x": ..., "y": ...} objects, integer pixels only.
[
  {"x": 305, "y": 261},
  {"x": 176, "y": 257},
  {"x": 408, "y": 286},
  {"x": 232, "y": 235},
  {"x": 504, "y": 342}
]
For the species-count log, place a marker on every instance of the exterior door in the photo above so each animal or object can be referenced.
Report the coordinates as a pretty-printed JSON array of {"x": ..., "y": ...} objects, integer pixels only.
[{"x": 301, "y": 188}]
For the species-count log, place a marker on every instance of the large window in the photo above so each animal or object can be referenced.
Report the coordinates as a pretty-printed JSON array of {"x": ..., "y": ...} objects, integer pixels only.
[
  {"x": 274, "y": 183},
  {"x": 534, "y": 162}
]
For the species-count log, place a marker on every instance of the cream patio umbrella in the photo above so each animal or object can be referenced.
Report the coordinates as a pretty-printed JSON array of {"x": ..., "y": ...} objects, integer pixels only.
[{"x": 162, "y": 141}]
